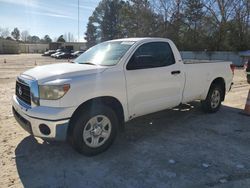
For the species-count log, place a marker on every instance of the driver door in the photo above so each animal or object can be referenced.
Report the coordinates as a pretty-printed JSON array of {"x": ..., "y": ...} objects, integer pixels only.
[{"x": 154, "y": 80}]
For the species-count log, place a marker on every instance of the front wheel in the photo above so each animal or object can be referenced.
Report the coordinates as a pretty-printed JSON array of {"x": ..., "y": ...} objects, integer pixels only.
[
  {"x": 94, "y": 130},
  {"x": 213, "y": 101}
]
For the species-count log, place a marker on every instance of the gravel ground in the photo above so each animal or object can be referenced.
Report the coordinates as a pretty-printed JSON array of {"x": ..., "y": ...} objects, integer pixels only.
[{"x": 182, "y": 147}]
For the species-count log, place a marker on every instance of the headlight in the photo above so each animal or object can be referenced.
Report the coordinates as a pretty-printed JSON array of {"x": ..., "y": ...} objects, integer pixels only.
[{"x": 53, "y": 92}]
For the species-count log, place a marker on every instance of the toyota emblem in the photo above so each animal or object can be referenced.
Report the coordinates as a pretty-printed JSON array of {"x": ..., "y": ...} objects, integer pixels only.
[{"x": 20, "y": 90}]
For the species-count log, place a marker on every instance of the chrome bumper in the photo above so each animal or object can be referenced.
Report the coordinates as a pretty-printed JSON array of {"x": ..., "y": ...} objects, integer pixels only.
[{"x": 57, "y": 128}]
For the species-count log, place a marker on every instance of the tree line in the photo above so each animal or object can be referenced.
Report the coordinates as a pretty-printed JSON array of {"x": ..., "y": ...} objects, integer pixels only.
[
  {"x": 25, "y": 37},
  {"x": 213, "y": 25}
]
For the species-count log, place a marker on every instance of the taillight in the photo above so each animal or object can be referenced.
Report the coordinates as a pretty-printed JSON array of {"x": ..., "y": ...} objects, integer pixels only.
[{"x": 232, "y": 66}]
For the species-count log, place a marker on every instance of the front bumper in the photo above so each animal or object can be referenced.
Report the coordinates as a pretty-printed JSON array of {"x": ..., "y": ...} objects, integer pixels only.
[{"x": 57, "y": 128}]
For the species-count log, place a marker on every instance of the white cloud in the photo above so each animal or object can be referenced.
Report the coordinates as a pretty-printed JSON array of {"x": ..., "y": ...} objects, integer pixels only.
[
  {"x": 83, "y": 7},
  {"x": 51, "y": 14},
  {"x": 38, "y": 8},
  {"x": 27, "y": 3}
]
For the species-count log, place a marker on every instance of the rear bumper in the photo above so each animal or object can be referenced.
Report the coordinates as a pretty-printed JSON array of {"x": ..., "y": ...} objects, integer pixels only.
[{"x": 55, "y": 129}]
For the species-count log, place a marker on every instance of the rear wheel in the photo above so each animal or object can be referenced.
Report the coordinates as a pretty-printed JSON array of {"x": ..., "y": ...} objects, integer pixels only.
[
  {"x": 94, "y": 130},
  {"x": 213, "y": 101}
]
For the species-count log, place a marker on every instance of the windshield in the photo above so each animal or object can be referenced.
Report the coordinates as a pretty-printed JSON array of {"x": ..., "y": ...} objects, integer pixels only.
[{"x": 106, "y": 54}]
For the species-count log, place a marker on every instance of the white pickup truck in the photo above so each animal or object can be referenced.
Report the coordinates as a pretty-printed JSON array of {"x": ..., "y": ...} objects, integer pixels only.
[{"x": 88, "y": 101}]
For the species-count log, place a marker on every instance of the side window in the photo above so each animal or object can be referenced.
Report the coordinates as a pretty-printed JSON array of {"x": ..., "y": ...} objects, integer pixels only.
[{"x": 151, "y": 55}]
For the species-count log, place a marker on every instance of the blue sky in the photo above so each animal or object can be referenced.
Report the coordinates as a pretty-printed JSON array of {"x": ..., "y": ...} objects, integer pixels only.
[{"x": 41, "y": 17}]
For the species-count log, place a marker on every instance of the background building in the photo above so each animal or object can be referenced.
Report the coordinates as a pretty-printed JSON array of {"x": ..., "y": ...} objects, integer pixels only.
[{"x": 13, "y": 47}]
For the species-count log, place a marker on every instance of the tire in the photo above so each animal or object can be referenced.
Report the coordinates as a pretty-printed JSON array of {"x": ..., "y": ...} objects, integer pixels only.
[
  {"x": 87, "y": 137},
  {"x": 212, "y": 103}
]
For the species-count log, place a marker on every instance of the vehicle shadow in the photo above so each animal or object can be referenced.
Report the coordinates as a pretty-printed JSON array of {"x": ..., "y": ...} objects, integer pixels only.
[{"x": 139, "y": 157}]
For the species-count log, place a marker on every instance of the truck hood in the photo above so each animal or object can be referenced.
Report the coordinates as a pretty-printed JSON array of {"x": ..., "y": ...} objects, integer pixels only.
[{"x": 62, "y": 70}]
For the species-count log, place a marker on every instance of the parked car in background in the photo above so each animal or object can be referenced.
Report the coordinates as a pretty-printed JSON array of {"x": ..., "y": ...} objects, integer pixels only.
[
  {"x": 64, "y": 55},
  {"x": 248, "y": 71},
  {"x": 88, "y": 101},
  {"x": 58, "y": 51},
  {"x": 76, "y": 54},
  {"x": 49, "y": 52}
]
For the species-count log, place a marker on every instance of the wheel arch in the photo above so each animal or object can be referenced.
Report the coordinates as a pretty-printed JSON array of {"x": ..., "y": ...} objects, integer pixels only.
[
  {"x": 110, "y": 101},
  {"x": 219, "y": 82}
]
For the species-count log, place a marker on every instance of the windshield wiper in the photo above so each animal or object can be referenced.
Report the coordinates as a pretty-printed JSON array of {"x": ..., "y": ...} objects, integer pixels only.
[{"x": 88, "y": 63}]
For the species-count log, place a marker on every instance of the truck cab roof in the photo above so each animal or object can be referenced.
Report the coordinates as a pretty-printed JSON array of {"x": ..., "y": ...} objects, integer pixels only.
[{"x": 137, "y": 39}]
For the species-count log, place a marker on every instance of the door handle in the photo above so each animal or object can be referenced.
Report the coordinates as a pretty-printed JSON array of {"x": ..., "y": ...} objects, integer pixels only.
[{"x": 176, "y": 72}]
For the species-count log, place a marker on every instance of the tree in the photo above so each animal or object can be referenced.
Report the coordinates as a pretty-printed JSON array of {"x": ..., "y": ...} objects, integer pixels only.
[
  {"x": 16, "y": 33},
  {"x": 65, "y": 37},
  {"x": 33, "y": 39},
  {"x": 68, "y": 37},
  {"x": 177, "y": 21},
  {"x": 116, "y": 19},
  {"x": 194, "y": 19},
  {"x": 47, "y": 39},
  {"x": 105, "y": 20},
  {"x": 109, "y": 25},
  {"x": 191, "y": 24},
  {"x": 9, "y": 38},
  {"x": 60, "y": 39},
  {"x": 194, "y": 13},
  {"x": 238, "y": 27},
  {"x": 218, "y": 14},
  {"x": 24, "y": 35},
  {"x": 141, "y": 20},
  {"x": 71, "y": 37},
  {"x": 91, "y": 33},
  {"x": 164, "y": 11},
  {"x": 4, "y": 32}
]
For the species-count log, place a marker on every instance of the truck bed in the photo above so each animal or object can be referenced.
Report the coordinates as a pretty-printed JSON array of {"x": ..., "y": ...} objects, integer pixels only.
[{"x": 200, "y": 73}]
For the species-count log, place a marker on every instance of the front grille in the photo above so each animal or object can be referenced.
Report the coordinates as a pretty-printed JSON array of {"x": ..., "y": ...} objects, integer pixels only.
[{"x": 23, "y": 92}]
